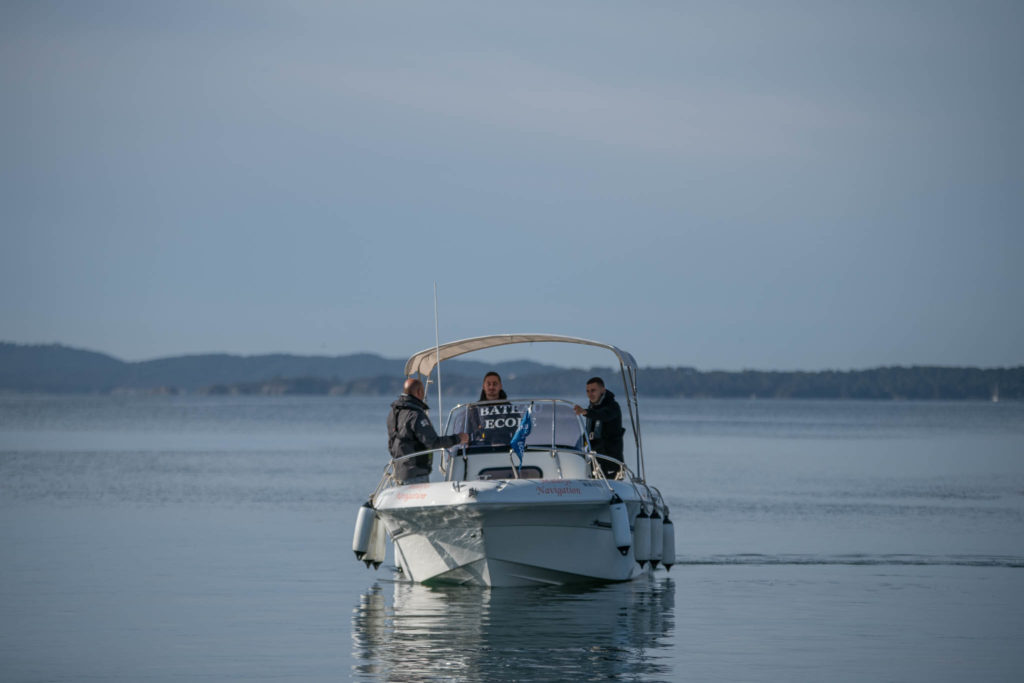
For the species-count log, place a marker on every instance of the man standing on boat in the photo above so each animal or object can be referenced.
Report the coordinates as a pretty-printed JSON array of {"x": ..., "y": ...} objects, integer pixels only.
[
  {"x": 491, "y": 389},
  {"x": 604, "y": 424},
  {"x": 409, "y": 431}
]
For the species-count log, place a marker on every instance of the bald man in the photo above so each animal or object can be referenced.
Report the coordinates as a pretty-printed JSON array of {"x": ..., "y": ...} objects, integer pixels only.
[{"x": 410, "y": 431}]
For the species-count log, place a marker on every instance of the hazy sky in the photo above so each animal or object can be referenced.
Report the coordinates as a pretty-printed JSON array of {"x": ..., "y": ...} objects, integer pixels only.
[{"x": 785, "y": 185}]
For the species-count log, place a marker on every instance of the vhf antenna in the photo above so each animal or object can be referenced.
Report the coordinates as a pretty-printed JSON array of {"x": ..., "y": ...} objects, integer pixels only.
[{"x": 437, "y": 347}]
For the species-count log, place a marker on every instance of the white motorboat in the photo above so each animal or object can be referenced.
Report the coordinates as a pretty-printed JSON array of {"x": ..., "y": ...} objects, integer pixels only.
[{"x": 491, "y": 516}]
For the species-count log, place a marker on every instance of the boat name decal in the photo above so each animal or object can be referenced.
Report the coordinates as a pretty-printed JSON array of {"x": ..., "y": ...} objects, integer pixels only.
[
  {"x": 511, "y": 419},
  {"x": 559, "y": 490},
  {"x": 501, "y": 422},
  {"x": 411, "y": 496},
  {"x": 487, "y": 411}
]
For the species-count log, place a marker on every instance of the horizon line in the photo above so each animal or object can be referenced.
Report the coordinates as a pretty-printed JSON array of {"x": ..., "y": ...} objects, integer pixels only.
[{"x": 516, "y": 360}]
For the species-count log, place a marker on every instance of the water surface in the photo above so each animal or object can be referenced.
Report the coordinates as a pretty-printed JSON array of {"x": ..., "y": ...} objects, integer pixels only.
[{"x": 207, "y": 538}]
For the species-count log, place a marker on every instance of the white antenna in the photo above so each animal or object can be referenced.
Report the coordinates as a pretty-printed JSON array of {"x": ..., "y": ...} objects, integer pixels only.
[{"x": 437, "y": 346}]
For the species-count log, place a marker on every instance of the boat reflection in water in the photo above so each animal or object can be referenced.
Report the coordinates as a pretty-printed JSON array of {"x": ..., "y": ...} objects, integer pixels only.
[{"x": 407, "y": 631}]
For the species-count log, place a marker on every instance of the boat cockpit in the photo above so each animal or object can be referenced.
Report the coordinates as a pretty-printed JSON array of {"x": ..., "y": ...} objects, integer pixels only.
[{"x": 556, "y": 446}]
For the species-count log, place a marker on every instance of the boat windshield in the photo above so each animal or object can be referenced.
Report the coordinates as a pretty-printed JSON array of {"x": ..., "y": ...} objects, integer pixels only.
[{"x": 491, "y": 424}]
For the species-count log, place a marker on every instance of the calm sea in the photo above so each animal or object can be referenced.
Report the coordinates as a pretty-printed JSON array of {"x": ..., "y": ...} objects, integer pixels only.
[{"x": 207, "y": 539}]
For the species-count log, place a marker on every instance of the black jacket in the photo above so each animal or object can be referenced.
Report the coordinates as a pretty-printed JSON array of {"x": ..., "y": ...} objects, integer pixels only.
[
  {"x": 409, "y": 431},
  {"x": 604, "y": 426}
]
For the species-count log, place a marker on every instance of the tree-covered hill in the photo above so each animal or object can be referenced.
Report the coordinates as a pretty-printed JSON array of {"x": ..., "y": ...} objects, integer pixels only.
[
  {"x": 60, "y": 369},
  {"x": 54, "y": 368}
]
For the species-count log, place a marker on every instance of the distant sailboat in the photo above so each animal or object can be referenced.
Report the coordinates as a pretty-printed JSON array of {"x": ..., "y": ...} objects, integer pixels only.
[{"x": 995, "y": 394}]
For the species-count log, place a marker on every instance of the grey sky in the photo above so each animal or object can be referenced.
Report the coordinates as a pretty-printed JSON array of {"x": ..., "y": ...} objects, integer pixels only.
[{"x": 790, "y": 185}]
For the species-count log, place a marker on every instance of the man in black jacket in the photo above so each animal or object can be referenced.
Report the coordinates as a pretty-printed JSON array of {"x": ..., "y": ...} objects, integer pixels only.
[
  {"x": 604, "y": 424},
  {"x": 409, "y": 431}
]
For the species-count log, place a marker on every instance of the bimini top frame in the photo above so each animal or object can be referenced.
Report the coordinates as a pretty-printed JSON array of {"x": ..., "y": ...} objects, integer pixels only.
[{"x": 423, "y": 363}]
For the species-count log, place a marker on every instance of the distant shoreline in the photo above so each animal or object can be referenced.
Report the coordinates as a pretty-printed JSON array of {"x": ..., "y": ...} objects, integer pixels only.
[{"x": 56, "y": 369}]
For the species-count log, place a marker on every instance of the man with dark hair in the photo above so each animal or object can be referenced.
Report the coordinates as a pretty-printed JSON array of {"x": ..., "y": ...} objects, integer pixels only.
[
  {"x": 491, "y": 389},
  {"x": 604, "y": 424},
  {"x": 409, "y": 431}
]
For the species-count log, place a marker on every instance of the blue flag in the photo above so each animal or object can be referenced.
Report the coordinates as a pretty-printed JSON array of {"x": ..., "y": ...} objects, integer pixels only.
[{"x": 518, "y": 443}]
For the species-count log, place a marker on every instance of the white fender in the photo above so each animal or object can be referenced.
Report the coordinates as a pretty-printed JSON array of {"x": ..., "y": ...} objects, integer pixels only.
[
  {"x": 668, "y": 549},
  {"x": 620, "y": 524},
  {"x": 375, "y": 553},
  {"x": 380, "y": 543},
  {"x": 657, "y": 537},
  {"x": 642, "y": 537},
  {"x": 364, "y": 526}
]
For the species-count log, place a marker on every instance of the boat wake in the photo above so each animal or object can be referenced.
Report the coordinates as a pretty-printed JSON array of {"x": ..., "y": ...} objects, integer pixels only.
[{"x": 856, "y": 560}]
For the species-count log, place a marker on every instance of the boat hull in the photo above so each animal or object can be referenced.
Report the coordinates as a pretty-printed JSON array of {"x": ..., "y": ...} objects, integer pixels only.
[{"x": 508, "y": 533}]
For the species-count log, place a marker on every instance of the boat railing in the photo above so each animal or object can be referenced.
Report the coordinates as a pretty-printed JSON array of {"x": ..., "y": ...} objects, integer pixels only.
[
  {"x": 557, "y": 432},
  {"x": 491, "y": 424},
  {"x": 388, "y": 477},
  {"x": 595, "y": 465}
]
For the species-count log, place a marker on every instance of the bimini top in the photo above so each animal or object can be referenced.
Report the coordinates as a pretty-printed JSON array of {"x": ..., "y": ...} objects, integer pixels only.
[{"x": 424, "y": 361}]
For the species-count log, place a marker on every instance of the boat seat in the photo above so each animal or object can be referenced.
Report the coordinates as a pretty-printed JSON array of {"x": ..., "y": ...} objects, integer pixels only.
[{"x": 495, "y": 463}]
